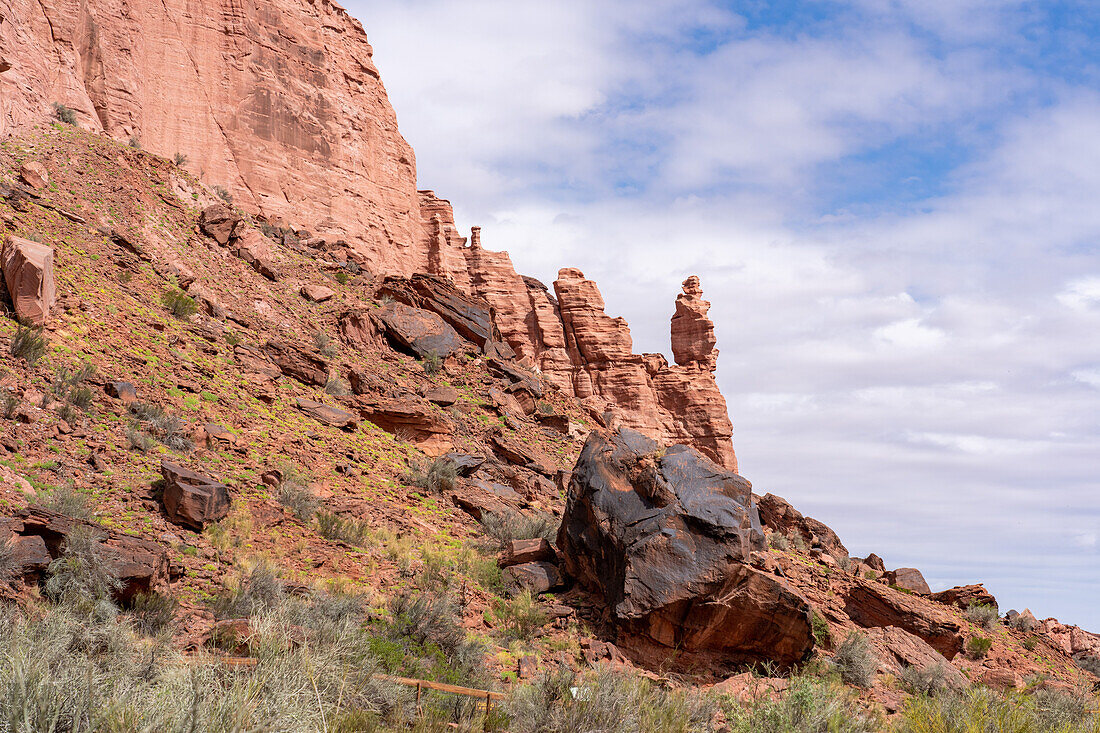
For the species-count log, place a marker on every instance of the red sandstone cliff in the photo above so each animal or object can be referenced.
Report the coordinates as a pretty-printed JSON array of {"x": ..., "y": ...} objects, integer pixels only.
[{"x": 280, "y": 103}]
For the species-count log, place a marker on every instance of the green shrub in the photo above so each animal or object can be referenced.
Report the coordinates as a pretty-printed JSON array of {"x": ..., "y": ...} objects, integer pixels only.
[
  {"x": 28, "y": 343},
  {"x": 342, "y": 277},
  {"x": 981, "y": 709},
  {"x": 295, "y": 495},
  {"x": 66, "y": 500},
  {"x": 153, "y": 613},
  {"x": 223, "y": 193},
  {"x": 9, "y": 406},
  {"x": 332, "y": 526},
  {"x": 1022, "y": 623},
  {"x": 983, "y": 614},
  {"x": 432, "y": 363},
  {"x": 179, "y": 303},
  {"x": 855, "y": 661},
  {"x": 83, "y": 578},
  {"x": 810, "y": 705},
  {"x": 139, "y": 440},
  {"x": 1030, "y": 643},
  {"x": 519, "y": 617},
  {"x": 778, "y": 541},
  {"x": 325, "y": 344},
  {"x": 609, "y": 702},
  {"x": 512, "y": 525},
  {"x": 797, "y": 541},
  {"x": 180, "y": 160},
  {"x": 978, "y": 646},
  {"x": 64, "y": 114},
  {"x": 440, "y": 475},
  {"x": 930, "y": 680},
  {"x": 167, "y": 428},
  {"x": 822, "y": 635}
]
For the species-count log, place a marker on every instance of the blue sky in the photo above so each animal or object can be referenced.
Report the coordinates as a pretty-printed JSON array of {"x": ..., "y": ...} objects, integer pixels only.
[{"x": 892, "y": 205}]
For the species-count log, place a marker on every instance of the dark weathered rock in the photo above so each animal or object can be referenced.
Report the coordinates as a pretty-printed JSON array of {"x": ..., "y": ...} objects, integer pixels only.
[
  {"x": 468, "y": 315},
  {"x": 875, "y": 562},
  {"x": 537, "y": 577},
  {"x": 965, "y": 596},
  {"x": 218, "y": 221},
  {"x": 328, "y": 414},
  {"x": 778, "y": 515},
  {"x": 518, "y": 377},
  {"x": 141, "y": 564},
  {"x": 442, "y": 395},
  {"x": 292, "y": 361},
  {"x": 465, "y": 464},
  {"x": 124, "y": 391},
  {"x": 481, "y": 498},
  {"x": 517, "y": 552},
  {"x": 663, "y": 536},
  {"x": 420, "y": 331},
  {"x": 360, "y": 329},
  {"x": 873, "y": 604},
  {"x": 909, "y": 579},
  {"x": 29, "y": 555},
  {"x": 192, "y": 499},
  {"x": 514, "y": 451}
]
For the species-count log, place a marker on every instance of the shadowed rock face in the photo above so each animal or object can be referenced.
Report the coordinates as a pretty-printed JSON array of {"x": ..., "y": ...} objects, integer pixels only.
[
  {"x": 664, "y": 537},
  {"x": 28, "y": 276}
]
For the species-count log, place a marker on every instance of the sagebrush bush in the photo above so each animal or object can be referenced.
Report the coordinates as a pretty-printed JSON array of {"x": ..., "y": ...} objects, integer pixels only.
[
  {"x": 608, "y": 702},
  {"x": 820, "y": 629},
  {"x": 513, "y": 525},
  {"x": 432, "y": 363},
  {"x": 978, "y": 646},
  {"x": 855, "y": 661},
  {"x": 167, "y": 428},
  {"x": 64, "y": 114},
  {"x": 337, "y": 387},
  {"x": 332, "y": 526},
  {"x": 325, "y": 344},
  {"x": 179, "y": 304},
  {"x": 257, "y": 591},
  {"x": 9, "y": 406},
  {"x": 520, "y": 616},
  {"x": 439, "y": 476},
  {"x": 983, "y": 614},
  {"x": 152, "y": 613},
  {"x": 778, "y": 541},
  {"x": 810, "y": 705},
  {"x": 981, "y": 709},
  {"x": 930, "y": 680},
  {"x": 223, "y": 193},
  {"x": 295, "y": 495},
  {"x": 139, "y": 440},
  {"x": 83, "y": 577},
  {"x": 67, "y": 500},
  {"x": 1090, "y": 663},
  {"x": 28, "y": 343}
]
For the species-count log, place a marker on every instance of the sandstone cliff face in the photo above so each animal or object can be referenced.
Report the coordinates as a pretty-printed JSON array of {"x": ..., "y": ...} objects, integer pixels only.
[{"x": 278, "y": 101}]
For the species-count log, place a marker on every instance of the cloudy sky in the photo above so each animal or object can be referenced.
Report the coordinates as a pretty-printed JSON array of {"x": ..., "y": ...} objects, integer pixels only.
[{"x": 894, "y": 207}]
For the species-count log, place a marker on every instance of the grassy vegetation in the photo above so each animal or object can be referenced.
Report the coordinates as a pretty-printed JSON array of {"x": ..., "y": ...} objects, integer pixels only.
[{"x": 29, "y": 344}]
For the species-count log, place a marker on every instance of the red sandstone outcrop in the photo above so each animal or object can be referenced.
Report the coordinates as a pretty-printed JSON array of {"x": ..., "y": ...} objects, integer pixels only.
[
  {"x": 279, "y": 102},
  {"x": 28, "y": 275}
]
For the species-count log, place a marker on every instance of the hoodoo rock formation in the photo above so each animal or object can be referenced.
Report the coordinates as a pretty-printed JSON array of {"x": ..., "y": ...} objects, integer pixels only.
[
  {"x": 665, "y": 537},
  {"x": 281, "y": 104}
]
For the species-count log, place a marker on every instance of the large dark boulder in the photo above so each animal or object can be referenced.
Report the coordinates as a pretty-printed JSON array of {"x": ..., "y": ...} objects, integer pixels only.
[
  {"x": 777, "y": 515},
  {"x": 469, "y": 315},
  {"x": 420, "y": 331},
  {"x": 305, "y": 366},
  {"x": 874, "y": 605},
  {"x": 192, "y": 499},
  {"x": 664, "y": 536}
]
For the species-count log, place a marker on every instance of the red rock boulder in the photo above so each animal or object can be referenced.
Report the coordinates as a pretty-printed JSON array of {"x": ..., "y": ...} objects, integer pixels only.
[
  {"x": 192, "y": 499},
  {"x": 28, "y": 274},
  {"x": 909, "y": 579},
  {"x": 422, "y": 332},
  {"x": 664, "y": 537}
]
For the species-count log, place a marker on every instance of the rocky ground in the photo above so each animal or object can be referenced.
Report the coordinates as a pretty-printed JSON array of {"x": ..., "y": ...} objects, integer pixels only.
[{"x": 214, "y": 393}]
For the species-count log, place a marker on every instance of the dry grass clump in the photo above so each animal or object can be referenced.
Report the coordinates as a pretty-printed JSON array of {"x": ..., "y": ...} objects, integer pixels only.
[
  {"x": 28, "y": 344},
  {"x": 513, "y": 525},
  {"x": 439, "y": 476},
  {"x": 855, "y": 661},
  {"x": 981, "y": 709},
  {"x": 983, "y": 614}
]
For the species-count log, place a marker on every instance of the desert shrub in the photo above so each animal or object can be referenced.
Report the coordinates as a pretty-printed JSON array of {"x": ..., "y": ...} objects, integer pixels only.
[
  {"x": 152, "y": 613},
  {"x": 855, "y": 661},
  {"x": 342, "y": 277},
  {"x": 223, "y": 193},
  {"x": 606, "y": 701},
  {"x": 1031, "y": 643},
  {"x": 352, "y": 266},
  {"x": 981, "y": 709},
  {"x": 1022, "y": 623},
  {"x": 332, "y": 526},
  {"x": 983, "y": 614},
  {"x": 65, "y": 499},
  {"x": 432, "y": 363},
  {"x": 64, "y": 114},
  {"x": 337, "y": 387},
  {"x": 180, "y": 160},
  {"x": 28, "y": 344},
  {"x": 978, "y": 646},
  {"x": 513, "y": 525},
  {"x": 82, "y": 577},
  {"x": 166, "y": 427},
  {"x": 778, "y": 541},
  {"x": 930, "y": 680},
  {"x": 295, "y": 495},
  {"x": 519, "y": 617},
  {"x": 135, "y": 141},
  {"x": 820, "y": 629},
  {"x": 325, "y": 344},
  {"x": 844, "y": 563},
  {"x": 797, "y": 541},
  {"x": 9, "y": 406},
  {"x": 257, "y": 591},
  {"x": 179, "y": 304},
  {"x": 7, "y": 559},
  {"x": 811, "y": 705},
  {"x": 439, "y": 476},
  {"x": 140, "y": 440}
]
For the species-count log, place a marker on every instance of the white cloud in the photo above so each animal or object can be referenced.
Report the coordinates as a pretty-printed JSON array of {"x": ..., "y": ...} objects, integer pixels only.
[{"x": 920, "y": 373}]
